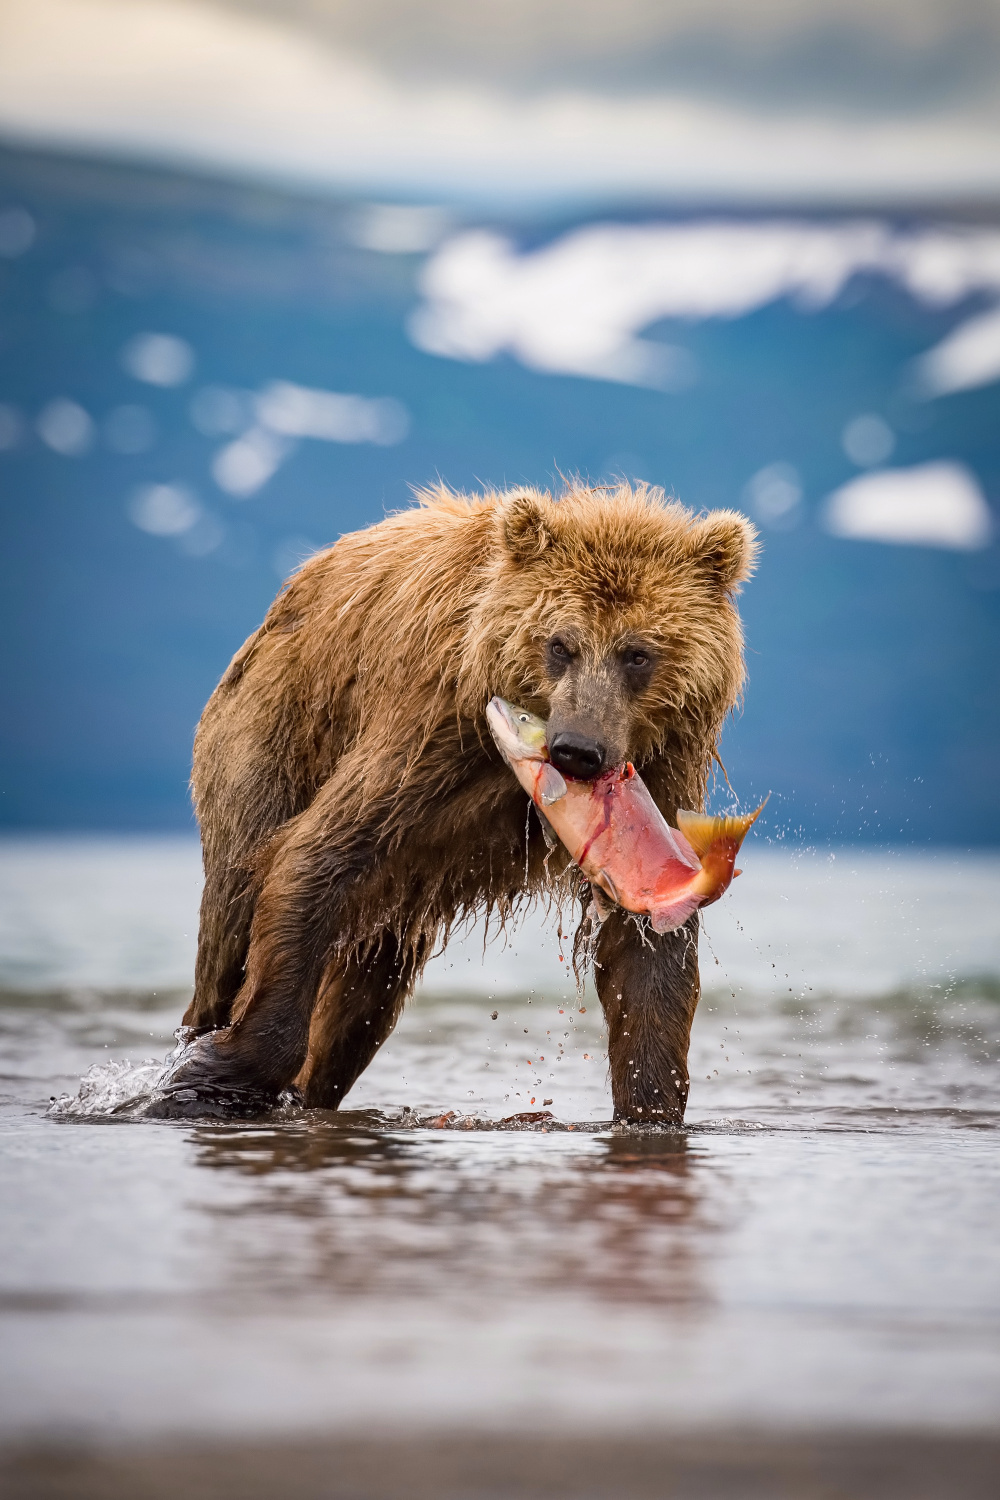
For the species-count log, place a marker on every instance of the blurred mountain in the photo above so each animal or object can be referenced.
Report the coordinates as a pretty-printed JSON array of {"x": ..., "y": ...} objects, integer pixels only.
[
  {"x": 505, "y": 101},
  {"x": 200, "y": 382},
  {"x": 848, "y": 56}
]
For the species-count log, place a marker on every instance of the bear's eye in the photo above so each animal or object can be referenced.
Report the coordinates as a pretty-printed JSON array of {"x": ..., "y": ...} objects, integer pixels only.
[
  {"x": 637, "y": 659},
  {"x": 560, "y": 652}
]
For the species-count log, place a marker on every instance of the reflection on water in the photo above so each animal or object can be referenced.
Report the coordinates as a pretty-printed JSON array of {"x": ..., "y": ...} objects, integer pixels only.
[
  {"x": 470, "y": 1243},
  {"x": 369, "y": 1213}
]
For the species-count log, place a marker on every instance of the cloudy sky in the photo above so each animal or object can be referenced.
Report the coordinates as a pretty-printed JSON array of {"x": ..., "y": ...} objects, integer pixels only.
[{"x": 504, "y": 99}]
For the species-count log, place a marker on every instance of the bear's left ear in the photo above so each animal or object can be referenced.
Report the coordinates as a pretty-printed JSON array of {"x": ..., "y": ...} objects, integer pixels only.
[
  {"x": 529, "y": 524},
  {"x": 724, "y": 545}
]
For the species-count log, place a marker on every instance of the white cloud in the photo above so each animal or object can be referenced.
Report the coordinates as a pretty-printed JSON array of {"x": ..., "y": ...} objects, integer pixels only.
[
  {"x": 868, "y": 440},
  {"x": 205, "y": 536},
  {"x": 270, "y": 421},
  {"x": 932, "y": 505},
  {"x": 190, "y": 82},
  {"x": 577, "y": 305},
  {"x": 66, "y": 427},
  {"x": 301, "y": 412},
  {"x": 399, "y": 228},
  {"x": 774, "y": 495},
  {"x": 243, "y": 466},
  {"x": 968, "y": 357},
  {"x": 164, "y": 509},
  {"x": 158, "y": 358}
]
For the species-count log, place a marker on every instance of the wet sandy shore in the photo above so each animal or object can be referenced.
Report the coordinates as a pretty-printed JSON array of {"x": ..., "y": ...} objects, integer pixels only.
[{"x": 708, "y": 1466}]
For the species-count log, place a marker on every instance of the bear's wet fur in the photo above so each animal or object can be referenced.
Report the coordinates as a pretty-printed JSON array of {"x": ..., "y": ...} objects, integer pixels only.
[{"x": 353, "y": 806}]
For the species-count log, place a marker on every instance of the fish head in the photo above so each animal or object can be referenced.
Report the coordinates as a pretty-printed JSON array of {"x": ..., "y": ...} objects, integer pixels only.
[{"x": 519, "y": 735}]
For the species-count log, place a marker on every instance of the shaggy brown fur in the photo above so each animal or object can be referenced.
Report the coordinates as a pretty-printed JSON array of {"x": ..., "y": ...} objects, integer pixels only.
[{"x": 353, "y": 806}]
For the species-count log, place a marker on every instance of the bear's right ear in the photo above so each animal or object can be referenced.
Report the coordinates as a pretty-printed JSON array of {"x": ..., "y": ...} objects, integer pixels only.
[
  {"x": 529, "y": 524},
  {"x": 724, "y": 546}
]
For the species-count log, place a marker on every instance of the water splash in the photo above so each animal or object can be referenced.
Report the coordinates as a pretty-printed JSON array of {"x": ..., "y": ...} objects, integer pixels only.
[
  {"x": 109, "y": 1089},
  {"x": 122, "y": 1089}
]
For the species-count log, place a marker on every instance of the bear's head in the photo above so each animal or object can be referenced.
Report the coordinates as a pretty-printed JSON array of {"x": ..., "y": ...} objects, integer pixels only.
[{"x": 611, "y": 612}]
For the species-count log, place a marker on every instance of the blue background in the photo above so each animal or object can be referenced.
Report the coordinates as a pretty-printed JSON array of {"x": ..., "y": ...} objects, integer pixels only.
[{"x": 873, "y": 710}]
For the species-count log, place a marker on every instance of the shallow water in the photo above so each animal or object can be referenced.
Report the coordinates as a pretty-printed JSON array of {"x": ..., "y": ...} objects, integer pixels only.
[{"x": 819, "y": 1247}]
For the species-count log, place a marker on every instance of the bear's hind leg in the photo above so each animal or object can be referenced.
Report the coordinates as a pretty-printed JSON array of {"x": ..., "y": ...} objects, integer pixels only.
[
  {"x": 315, "y": 877},
  {"x": 356, "y": 1010}
]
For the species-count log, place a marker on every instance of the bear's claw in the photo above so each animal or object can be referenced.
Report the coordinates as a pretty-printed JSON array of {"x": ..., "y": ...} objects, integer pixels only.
[
  {"x": 206, "y": 1084},
  {"x": 186, "y": 1103}
]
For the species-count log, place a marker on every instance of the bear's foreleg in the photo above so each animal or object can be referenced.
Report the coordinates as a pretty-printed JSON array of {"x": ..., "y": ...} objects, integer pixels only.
[
  {"x": 358, "y": 1005},
  {"x": 649, "y": 988}
]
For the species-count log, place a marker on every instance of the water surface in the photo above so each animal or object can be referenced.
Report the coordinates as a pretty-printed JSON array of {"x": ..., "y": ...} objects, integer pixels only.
[{"x": 817, "y": 1249}]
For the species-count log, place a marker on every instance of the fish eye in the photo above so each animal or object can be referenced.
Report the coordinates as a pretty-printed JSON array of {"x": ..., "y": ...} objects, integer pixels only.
[{"x": 522, "y": 718}]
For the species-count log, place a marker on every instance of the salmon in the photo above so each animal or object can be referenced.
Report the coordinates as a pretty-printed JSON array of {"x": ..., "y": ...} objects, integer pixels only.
[{"x": 614, "y": 831}]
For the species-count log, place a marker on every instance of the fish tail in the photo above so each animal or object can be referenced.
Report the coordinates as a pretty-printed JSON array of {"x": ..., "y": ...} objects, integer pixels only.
[{"x": 702, "y": 830}]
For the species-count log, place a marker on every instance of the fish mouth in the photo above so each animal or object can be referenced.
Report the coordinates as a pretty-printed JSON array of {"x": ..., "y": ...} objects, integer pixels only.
[
  {"x": 500, "y": 719},
  {"x": 499, "y": 714},
  {"x": 515, "y": 731}
]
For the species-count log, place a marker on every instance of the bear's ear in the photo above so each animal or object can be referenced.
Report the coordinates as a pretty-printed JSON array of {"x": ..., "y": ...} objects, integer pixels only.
[
  {"x": 529, "y": 523},
  {"x": 724, "y": 545}
]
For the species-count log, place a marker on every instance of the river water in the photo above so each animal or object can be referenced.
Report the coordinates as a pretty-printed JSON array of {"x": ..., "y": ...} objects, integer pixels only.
[{"x": 818, "y": 1249}]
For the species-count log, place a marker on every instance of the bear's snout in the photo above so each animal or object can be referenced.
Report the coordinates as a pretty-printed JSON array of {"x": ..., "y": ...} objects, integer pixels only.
[{"x": 577, "y": 755}]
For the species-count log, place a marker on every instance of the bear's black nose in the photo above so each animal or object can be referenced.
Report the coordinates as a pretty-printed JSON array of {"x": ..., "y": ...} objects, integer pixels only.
[{"x": 577, "y": 756}]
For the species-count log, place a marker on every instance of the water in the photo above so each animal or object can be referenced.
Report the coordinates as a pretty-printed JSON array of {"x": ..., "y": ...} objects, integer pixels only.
[{"x": 819, "y": 1250}]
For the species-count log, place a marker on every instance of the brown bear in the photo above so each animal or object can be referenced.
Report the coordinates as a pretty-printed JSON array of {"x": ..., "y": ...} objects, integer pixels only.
[{"x": 353, "y": 806}]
